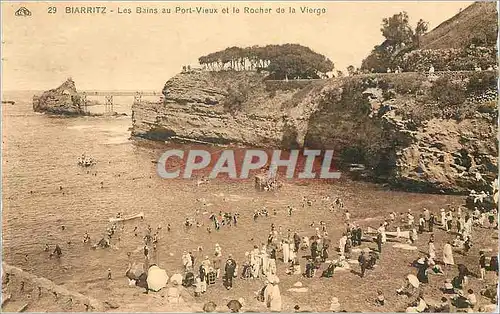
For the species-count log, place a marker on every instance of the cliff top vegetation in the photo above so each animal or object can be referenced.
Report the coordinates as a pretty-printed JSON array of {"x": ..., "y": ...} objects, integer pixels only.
[{"x": 281, "y": 61}]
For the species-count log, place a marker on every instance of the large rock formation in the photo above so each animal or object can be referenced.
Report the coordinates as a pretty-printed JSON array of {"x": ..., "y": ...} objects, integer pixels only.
[
  {"x": 424, "y": 133},
  {"x": 411, "y": 132},
  {"x": 62, "y": 100},
  {"x": 222, "y": 107},
  {"x": 37, "y": 292}
]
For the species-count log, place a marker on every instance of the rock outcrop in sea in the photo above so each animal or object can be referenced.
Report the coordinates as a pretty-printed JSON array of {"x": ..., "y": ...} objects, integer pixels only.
[{"x": 61, "y": 100}]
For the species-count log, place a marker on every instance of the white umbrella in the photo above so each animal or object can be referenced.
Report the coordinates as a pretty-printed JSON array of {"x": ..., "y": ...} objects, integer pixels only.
[
  {"x": 413, "y": 280},
  {"x": 157, "y": 278}
]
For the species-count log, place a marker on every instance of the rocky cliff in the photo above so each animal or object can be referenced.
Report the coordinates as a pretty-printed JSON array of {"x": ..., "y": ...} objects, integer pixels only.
[
  {"x": 225, "y": 108},
  {"x": 424, "y": 133},
  {"x": 61, "y": 100},
  {"x": 434, "y": 133}
]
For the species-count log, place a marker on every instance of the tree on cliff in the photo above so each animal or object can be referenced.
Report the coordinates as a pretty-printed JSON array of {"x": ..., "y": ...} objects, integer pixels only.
[
  {"x": 397, "y": 31},
  {"x": 351, "y": 70},
  {"x": 399, "y": 38},
  {"x": 421, "y": 29},
  {"x": 281, "y": 61}
]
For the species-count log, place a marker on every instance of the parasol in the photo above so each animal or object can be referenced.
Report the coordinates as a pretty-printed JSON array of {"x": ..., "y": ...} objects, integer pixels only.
[
  {"x": 157, "y": 278},
  {"x": 209, "y": 307},
  {"x": 234, "y": 306},
  {"x": 413, "y": 280}
]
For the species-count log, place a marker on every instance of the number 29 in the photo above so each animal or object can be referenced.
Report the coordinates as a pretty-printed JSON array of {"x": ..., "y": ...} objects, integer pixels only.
[{"x": 52, "y": 10}]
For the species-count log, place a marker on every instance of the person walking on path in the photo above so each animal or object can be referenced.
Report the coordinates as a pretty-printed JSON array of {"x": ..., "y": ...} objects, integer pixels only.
[
  {"x": 362, "y": 263},
  {"x": 230, "y": 270},
  {"x": 379, "y": 242},
  {"x": 482, "y": 265}
]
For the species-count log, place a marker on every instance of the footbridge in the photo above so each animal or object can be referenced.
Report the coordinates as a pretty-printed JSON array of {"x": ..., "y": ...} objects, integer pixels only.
[{"x": 109, "y": 96}]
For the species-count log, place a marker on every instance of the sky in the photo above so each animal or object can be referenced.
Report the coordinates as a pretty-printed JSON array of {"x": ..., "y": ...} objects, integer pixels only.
[{"x": 121, "y": 51}]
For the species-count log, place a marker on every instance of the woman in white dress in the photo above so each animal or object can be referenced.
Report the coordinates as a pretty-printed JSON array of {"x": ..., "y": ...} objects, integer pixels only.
[
  {"x": 286, "y": 251},
  {"x": 272, "y": 294},
  {"x": 443, "y": 218},
  {"x": 448, "y": 254},
  {"x": 342, "y": 243},
  {"x": 264, "y": 261},
  {"x": 381, "y": 230},
  {"x": 432, "y": 250}
]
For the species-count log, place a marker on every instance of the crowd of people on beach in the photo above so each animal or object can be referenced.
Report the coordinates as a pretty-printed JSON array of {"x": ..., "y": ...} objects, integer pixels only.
[{"x": 316, "y": 247}]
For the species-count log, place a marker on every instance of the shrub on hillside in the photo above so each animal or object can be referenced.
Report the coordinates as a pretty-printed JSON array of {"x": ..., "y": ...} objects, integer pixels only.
[
  {"x": 480, "y": 82},
  {"x": 235, "y": 98},
  {"x": 449, "y": 59},
  {"x": 446, "y": 92},
  {"x": 353, "y": 98}
]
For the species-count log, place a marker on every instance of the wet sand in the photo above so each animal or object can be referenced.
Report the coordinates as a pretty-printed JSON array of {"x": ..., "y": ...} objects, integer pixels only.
[{"x": 40, "y": 156}]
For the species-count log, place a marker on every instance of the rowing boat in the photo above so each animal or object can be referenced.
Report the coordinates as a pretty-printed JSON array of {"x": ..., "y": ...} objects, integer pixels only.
[{"x": 139, "y": 215}]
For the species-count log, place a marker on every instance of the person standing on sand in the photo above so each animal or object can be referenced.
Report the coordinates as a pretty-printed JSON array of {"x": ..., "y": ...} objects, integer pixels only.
[
  {"x": 359, "y": 234},
  {"x": 230, "y": 270},
  {"x": 432, "y": 250},
  {"x": 379, "y": 242},
  {"x": 431, "y": 222},
  {"x": 86, "y": 237},
  {"x": 347, "y": 216},
  {"x": 57, "y": 251},
  {"x": 272, "y": 294},
  {"x": 296, "y": 241},
  {"x": 286, "y": 250},
  {"x": 411, "y": 219},
  {"x": 314, "y": 250},
  {"x": 264, "y": 259},
  {"x": 443, "y": 218},
  {"x": 448, "y": 254},
  {"x": 381, "y": 230},
  {"x": 342, "y": 243},
  {"x": 449, "y": 221},
  {"x": 482, "y": 265},
  {"x": 427, "y": 215},
  {"x": 421, "y": 224},
  {"x": 362, "y": 263},
  {"x": 216, "y": 265},
  {"x": 255, "y": 261}
]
